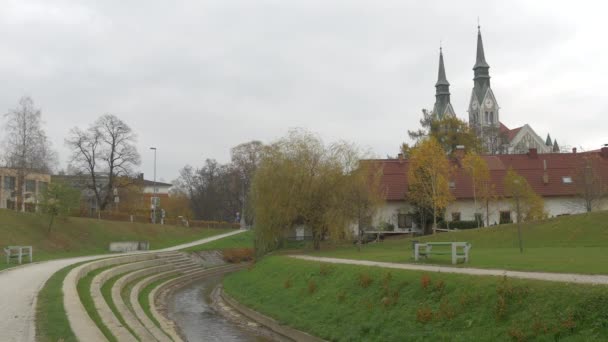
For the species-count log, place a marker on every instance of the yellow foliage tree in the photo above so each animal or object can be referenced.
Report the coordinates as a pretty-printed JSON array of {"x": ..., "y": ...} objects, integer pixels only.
[
  {"x": 527, "y": 204},
  {"x": 477, "y": 168},
  {"x": 178, "y": 204},
  {"x": 428, "y": 177}
]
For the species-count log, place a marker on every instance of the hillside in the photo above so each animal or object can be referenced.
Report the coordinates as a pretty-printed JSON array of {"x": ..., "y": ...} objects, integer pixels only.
[
  {"x": 576, "y": 243},
  {"x": 76, "y": 236}
]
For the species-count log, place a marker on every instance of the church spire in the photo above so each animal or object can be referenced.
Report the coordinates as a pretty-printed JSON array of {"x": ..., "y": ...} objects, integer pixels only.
[
  {"x": 442, "y": 91},
  {"x": 480, "y": 62}
]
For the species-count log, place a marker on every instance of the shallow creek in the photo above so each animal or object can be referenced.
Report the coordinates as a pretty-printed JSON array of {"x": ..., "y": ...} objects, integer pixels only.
[{"x": 190, "y": 308}]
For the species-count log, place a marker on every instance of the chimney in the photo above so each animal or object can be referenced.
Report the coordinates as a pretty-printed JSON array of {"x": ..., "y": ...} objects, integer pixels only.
[
  {"x": 604, "y": 151},
  {"x": 533, "y": 153},
  {"x": 574, "y": 150},
  {"x": 459, "y": 153}
]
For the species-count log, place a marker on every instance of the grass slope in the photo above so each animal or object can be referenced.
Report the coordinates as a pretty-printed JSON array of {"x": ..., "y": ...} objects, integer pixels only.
[
  {"x": 357, "y": 303},
  {"x": 576, "y": 243},
  {"x": 242, "y": 240},
  {"x": 81, "y": 236}
]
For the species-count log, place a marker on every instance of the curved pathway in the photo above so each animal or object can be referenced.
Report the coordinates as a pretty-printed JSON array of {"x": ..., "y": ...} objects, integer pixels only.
[
  {"x": 19, "y": 288},
  {"x": 559, "y": 277}
]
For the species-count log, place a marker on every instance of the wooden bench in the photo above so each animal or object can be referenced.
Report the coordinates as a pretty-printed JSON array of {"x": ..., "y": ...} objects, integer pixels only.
[
  {"x": 426, "y": 248},
  {"x": 18, "y": 252}
]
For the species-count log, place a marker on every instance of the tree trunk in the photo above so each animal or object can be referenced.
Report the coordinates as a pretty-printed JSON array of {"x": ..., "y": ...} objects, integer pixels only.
[
  {"x": 50, "y": 224},
  {"x": 434, "y": 219}
]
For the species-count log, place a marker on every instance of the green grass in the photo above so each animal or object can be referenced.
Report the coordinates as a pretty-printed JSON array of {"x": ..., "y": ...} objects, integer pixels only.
[
  {"x": 76, "y": 236},
  {"x": 577, "y": 243},
  {"x": 84, "y": 292},
  {"x": 106, "y": 292},
  {"x": 395, "y": 305},
  {"x": 51, "y": 321},
  {"x": 242, "y": 240}
]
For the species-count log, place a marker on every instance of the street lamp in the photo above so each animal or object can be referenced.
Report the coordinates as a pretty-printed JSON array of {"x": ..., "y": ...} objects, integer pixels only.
[{"x": 154, "y": 189}]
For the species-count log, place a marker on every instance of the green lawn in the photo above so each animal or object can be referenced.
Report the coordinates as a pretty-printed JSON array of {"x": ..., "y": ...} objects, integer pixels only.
[
  {"x": 81, "y": 236},
  {"x": 577, "y": 243},
  {"x": 357, "y": 303},
  {"x": 242, "y": 240}
]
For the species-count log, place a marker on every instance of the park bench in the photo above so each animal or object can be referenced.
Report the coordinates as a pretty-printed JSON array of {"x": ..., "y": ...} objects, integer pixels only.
[
  {"x": 17, "y": 252},
  {"x": 458, "y": 250}
]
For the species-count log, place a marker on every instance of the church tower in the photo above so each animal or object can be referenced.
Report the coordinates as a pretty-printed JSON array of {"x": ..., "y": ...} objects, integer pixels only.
[
  {"x": 442, "y": 106},
  {"x": 483, "y": 108}
]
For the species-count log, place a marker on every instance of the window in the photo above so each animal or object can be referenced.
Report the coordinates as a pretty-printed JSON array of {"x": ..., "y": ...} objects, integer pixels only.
[
  {"x": 30, "y": 185},
  {"x": 505, "y": 217},
  {"x": 452, "y": 185},
  {"x": 404, "y": 221},
  {"x": 9, "y": 183},
  {"x": 567, "y": 179},
  {"x": 487, "y": 117},
  {"x": 456, "y": 216},
  {"x": 491, "y": 116}
]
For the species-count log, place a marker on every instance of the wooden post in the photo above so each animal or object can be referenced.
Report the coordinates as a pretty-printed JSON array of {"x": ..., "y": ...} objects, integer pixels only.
[
  {"x": 20, "y": 254},
  {"x": 416, "y": 252},
  {"x": 453, "y": 253}
]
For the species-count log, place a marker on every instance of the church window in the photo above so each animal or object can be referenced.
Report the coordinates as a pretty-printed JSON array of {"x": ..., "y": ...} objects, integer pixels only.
[
  {"x": 491, "y": 116},
  {"x": 487, "y": 117}
]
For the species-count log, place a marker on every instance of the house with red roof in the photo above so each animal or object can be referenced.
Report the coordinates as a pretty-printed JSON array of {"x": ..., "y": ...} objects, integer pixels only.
[{"x": 554, "y": 176}]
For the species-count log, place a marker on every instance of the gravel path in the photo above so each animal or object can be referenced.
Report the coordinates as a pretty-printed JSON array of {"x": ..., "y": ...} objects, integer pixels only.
[
  {"x": 19, "y": 288},
  {"x": 559, "y": 277}
]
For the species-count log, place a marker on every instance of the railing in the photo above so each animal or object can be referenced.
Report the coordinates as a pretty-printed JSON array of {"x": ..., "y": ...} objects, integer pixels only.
[{"x": 18, "y": 252}]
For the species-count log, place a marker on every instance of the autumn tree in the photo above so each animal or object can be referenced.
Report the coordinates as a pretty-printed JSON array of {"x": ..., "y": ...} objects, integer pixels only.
[
  {"x": 26, "y": 146},
  {"x": 58, "y": 199},
  {"x": 483, "y": 189},
  {"x": 300, "y": 181},
  {"x": 104, "y": 153},
  {"x": 526, "y": 203},
  {"x": 449, "y": 132},
  {"x": 592, "y": 189},
  {"x": 178, "y": 204},
  {"x": 428, "y": 177}
]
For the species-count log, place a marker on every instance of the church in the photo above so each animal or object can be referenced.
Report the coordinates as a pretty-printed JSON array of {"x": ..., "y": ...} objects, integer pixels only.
[{"x": 484, "y": 112}]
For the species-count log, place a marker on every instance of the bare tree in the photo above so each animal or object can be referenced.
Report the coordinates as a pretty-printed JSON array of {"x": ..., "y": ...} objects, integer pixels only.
[
  {"x": 590, "y": 185},
  {"x": 26, "y": 146},
  {"x": 104, "y": 153},
  {"x": 245, "y": 160}
]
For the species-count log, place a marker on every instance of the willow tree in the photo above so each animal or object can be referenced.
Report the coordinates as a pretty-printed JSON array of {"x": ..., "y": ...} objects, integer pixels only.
[
  {"x": 428, "y": 177},
  {"x": 483, "y": 190},
  {"x": 302, "y": 182}
]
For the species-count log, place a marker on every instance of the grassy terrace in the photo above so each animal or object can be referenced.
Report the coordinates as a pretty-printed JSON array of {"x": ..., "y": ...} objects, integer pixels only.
[
  {"x": 577, "y": 243},
  {"x": 80, "y": 236},
  {"x": 242, "y": 240},
  {"x": 356, "y": 303}
]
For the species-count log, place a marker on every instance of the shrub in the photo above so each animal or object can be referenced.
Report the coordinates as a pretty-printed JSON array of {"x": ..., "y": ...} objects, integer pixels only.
[
  {"x": 287, "y": 284},
  {"x": 446, "y": 311},
  {"x": 325, "y": 269},
  {"x": 312, "y": 286},
  {"x": 365, "y": 280},
  {"x": 517, "y": 335},
  {"x": 460, "y": 224},
  {"x": 425, "y": 281},
  {"x": 424, "y": 314},
  {"x": 386, "y": 227},
  {"x": 236, "y": 255}
]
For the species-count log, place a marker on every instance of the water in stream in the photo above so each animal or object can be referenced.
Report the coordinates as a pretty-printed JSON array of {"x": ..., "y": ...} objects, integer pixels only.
[{"x": 190, "y": 308}]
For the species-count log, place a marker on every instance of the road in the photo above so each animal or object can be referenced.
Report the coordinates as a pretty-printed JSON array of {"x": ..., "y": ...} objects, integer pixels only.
[{"x": 19, "y": 288}]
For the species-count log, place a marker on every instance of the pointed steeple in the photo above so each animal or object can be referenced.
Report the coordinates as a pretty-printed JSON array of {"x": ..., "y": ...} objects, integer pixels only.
[
  {"x": 481, "y": 70},
  {"x": 555, "y": 146},
  {"x": 481, "y": 56},
  {"x": 441, "y": 78},
  {"x": 548, "y": 142},
  {"x": 442, "y": 91}
]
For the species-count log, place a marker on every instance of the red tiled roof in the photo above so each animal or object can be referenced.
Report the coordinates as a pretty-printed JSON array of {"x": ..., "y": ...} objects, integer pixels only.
[
  {"x": 510, "y": 133},
  {"x": 394, "y": 173}
]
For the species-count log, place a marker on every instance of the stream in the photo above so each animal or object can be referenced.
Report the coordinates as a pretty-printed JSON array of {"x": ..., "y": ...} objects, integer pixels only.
[{"x": 190, "y": 308}]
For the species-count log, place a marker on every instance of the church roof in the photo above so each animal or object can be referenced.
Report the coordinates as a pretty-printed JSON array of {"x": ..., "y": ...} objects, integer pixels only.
[
  {"x": 531, "y": 166},
  {"x": 510, "y": 133}
]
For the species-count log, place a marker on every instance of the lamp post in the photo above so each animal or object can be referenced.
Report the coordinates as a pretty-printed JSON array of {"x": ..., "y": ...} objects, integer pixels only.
[{"x": 154, "y": 189}]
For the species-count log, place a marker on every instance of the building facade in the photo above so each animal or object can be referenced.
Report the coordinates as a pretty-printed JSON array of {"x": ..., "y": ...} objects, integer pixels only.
[
  {"x": 559, "y": 178},
  {"x": 10, "y": 189}
]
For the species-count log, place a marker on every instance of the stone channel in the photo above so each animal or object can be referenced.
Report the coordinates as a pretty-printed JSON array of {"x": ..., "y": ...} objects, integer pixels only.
[{"x": 195, "y": 310}]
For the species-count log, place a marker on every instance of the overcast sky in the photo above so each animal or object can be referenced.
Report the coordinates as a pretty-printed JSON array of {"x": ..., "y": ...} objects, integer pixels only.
[{"x": 194, "y": 78}]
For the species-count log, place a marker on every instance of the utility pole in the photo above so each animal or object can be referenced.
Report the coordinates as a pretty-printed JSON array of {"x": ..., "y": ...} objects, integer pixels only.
[{"x": 154, "y": 189}]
